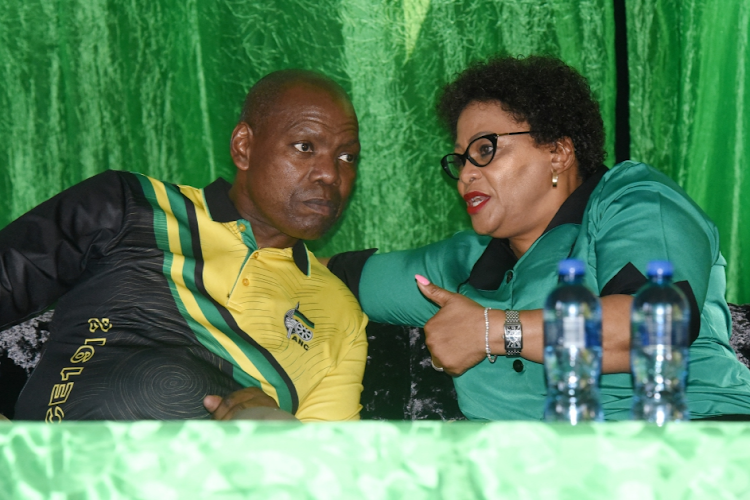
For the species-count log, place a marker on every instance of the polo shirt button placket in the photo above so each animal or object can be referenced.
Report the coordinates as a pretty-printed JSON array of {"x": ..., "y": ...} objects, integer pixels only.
[{"x": 509, "y": 277}]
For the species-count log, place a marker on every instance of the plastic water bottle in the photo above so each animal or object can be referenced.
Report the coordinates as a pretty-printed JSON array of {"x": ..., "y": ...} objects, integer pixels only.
[
  {"x": 659, "y": 348},
  {"x": 572, "y": 348}
]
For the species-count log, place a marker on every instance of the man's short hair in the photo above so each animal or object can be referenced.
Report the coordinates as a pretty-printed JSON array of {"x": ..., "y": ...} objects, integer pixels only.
[{"x": 264, "y": 95}]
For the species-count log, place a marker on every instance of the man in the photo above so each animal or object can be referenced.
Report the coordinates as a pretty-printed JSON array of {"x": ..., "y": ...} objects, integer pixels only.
[{"x": 167, "y": 294}]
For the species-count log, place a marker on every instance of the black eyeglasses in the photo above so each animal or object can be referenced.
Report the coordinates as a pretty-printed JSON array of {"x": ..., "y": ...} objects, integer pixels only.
[{"x": 480, "y": 152}]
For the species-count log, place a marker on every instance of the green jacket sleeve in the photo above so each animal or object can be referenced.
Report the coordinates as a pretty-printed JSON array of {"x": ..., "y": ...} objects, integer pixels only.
[
  {"x": 643, "y": 215},
  {"x": 387, "y": 289}
]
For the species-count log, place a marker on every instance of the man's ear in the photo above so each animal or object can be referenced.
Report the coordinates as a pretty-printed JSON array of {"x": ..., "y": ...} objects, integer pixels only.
[
  {"x": 563, "y": 155},
  {"x": 241, "y": 144}
]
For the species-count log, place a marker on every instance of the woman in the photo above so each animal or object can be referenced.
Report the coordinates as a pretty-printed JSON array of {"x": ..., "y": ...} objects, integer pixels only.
[{"x": 528, "y": 163}]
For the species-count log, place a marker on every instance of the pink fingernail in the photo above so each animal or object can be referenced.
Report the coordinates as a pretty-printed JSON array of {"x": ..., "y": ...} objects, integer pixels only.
[{"x": 421, "y": 279}]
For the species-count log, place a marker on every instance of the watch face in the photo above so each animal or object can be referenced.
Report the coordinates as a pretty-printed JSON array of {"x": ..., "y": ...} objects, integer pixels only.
[{"x": 513, "y": 336}]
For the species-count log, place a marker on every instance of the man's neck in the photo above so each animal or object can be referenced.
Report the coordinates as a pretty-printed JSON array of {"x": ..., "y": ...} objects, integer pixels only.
[
  {"x": 266, "y": 235},
  {"x": 278, "y": 241}
]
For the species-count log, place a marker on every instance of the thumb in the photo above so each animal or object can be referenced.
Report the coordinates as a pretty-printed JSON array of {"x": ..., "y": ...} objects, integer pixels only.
[
  {"x": 211, "y": 403},
  {"x": 439, "y": 296}
]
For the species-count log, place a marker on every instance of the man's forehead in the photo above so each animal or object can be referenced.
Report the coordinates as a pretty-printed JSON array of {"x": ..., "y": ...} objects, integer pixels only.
[
  {"x": 311, "y": 124},
  {"x": 313, "y": 94},
  {"x": 310, "y": 107}
]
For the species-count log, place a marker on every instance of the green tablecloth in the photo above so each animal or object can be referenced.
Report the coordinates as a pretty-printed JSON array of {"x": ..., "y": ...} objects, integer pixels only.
[{"x": 373, "y": 460}]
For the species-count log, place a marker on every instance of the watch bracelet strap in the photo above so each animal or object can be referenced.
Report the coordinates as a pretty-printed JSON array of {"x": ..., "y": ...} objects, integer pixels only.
[{"x": 512, "y": 316}]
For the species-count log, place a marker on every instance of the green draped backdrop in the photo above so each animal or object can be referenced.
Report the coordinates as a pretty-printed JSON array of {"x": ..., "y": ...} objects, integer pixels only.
[
  {"x": 689, "y": 65},
  {"x": 156, "y": 86}
]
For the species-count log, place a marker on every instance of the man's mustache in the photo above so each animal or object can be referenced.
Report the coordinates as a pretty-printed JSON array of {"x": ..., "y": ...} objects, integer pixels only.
[{"x": 331, "y": 200}]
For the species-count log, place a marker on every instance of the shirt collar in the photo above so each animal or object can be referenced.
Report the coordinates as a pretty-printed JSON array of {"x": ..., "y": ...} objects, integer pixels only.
[
  {"x": 220, "y": 206},
  {"x": 498, "y": 258},
  {"x": 572, "y": 209},
  {"x": 221, "y": 209}
]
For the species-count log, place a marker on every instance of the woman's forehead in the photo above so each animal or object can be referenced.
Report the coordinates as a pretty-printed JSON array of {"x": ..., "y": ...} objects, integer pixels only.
[{"x": 485, "y": 116}]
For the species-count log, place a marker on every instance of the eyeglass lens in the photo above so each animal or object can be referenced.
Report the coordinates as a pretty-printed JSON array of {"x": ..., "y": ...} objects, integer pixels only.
[
  {"x": 481, "y": 150},
  {"x": 454, "y": 164}
]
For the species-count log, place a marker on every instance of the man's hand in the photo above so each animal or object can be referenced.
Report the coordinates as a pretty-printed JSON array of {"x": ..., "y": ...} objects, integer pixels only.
[
  {"x": 455, "y": 335},
  {"x": 246, "y": 404}
]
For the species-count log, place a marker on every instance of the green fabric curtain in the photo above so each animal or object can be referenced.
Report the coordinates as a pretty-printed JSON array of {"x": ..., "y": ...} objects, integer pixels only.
[
  {"x": 156, "y": 87},
  {"x": 689, "y": 66}
]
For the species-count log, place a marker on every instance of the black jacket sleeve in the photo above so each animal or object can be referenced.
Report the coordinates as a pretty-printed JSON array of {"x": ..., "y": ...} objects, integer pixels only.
[
  {"x": 348, "y": 266},
  {"x": 45, "y": 251}
]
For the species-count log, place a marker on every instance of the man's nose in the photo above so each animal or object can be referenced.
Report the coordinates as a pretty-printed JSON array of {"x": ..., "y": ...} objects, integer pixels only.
[{"x": 326, "y": 170}]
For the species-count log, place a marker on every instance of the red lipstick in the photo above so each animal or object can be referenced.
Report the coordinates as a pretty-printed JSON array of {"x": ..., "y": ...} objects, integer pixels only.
[{"x": 475, "y": 200}]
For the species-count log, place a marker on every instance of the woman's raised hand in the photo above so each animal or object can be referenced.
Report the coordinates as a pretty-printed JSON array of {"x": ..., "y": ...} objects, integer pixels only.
[{"x": 455, "y": 335}]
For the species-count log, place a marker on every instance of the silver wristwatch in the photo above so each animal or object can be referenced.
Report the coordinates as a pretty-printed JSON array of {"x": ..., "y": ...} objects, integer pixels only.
[{"x": 513, "y": 334}]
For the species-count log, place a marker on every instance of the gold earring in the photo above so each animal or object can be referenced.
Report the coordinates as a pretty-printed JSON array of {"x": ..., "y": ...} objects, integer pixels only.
[{"x": 554, "y": 179}]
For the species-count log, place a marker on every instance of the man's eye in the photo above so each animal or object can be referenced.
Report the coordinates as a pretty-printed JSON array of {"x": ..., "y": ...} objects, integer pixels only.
[
  {"x": 304, "y": 147},
  {"x": 348, "y": 158}
]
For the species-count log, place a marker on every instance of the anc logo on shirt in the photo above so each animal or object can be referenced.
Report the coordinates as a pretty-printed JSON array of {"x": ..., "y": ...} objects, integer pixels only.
[{"x": 298, "y": 325}]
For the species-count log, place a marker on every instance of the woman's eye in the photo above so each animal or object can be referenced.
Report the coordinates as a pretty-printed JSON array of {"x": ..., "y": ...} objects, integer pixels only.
[
  {"x": 486, "y": 150},
  {"x": 304, "y": 147}
]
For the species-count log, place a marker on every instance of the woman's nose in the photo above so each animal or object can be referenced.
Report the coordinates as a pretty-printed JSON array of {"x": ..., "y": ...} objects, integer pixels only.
[{"x": 469, "y": 173}]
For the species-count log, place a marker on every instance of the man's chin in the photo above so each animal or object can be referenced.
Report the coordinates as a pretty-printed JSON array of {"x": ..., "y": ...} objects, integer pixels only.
[{"x": 316, "y": 230}]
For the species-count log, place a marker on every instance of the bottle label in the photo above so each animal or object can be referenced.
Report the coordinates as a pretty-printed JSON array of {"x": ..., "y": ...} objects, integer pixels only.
[{"x": 574, "y": 332}]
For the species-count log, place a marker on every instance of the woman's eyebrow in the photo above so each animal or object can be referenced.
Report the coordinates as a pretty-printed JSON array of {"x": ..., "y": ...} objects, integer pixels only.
[{"x": 475, "y": 136}]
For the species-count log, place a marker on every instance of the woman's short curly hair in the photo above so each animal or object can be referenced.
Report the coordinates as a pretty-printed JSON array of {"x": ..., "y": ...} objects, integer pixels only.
[{"x": 553, "y": 98}]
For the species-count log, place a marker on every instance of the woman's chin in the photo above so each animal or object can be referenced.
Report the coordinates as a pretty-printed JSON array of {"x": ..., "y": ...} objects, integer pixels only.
[{"x": 482, "y": 229}]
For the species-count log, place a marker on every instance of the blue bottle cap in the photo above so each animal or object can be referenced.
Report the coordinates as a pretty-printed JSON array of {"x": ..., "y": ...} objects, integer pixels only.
[
  {"x": 659, "y": 268},
  {"x": 570, "y": 267}
]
